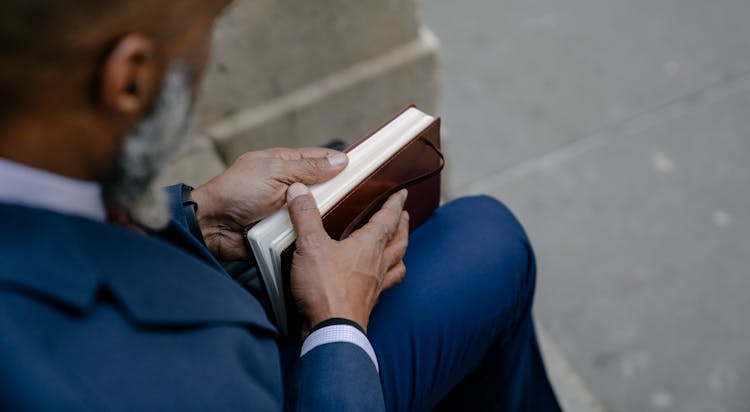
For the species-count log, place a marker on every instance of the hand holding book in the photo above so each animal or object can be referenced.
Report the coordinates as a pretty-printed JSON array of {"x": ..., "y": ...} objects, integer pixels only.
[
  {"x": 347, "y": 189},
  {"x": 253, "y": 188},
  {"x": 343, "y": 279},
  {"x": 402, "y": 153}
]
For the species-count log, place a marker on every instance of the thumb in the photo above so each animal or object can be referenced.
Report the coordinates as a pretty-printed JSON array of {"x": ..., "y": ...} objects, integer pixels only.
[
  {"x": 311, "y": 170},
  {"x": 303, "y": 211}
]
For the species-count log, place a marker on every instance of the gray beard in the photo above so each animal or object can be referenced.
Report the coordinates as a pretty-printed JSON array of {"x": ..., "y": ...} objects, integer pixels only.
[{"x": 147, "y": 149}]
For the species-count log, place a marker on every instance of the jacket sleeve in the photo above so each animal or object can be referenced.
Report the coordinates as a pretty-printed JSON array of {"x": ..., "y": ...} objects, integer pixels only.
[
  {"x": 178, "y": 232},
  {"x": 335, "y": 376},
  {"x": 175, "y": 205}
]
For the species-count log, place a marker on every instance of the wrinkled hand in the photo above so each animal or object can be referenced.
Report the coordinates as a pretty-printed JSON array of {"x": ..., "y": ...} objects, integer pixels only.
[
  {"x": 344, "y": 279},
  {"x": 254, "y": 187}
]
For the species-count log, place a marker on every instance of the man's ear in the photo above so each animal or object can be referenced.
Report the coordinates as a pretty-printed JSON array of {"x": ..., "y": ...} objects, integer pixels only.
[{"x": 129, "y": 75}]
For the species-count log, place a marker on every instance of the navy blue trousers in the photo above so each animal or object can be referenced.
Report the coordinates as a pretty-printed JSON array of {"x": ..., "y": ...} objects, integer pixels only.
[{"x": 457, "y": 333}]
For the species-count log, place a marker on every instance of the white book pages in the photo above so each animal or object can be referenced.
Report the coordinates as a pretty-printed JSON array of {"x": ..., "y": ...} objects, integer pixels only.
[{"x": 272, "y": 235}]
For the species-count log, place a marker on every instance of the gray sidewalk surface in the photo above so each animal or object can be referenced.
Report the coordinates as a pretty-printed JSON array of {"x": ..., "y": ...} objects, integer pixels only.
[{"x": 619, "y": 133}]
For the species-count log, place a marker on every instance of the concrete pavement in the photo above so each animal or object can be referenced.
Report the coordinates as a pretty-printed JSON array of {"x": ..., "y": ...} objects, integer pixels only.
[{"x": 619, "y": 132}]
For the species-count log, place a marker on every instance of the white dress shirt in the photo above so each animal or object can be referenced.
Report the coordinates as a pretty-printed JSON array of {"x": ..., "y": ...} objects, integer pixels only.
[{"x": 28, "y": 186}]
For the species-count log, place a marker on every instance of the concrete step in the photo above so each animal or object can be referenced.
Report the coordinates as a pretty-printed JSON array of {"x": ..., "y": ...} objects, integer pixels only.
[{"x": 571, "y": 391}]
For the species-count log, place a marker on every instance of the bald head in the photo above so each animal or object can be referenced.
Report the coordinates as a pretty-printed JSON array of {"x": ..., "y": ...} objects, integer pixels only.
[
  {"x": 102, "y": 90},
  {"x": 58, "y": 46},
  {"x": 77, "y": 76}
]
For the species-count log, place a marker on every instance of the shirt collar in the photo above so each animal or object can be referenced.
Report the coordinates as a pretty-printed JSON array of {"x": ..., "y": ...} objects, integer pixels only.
[{"x": 28, "y": 186}]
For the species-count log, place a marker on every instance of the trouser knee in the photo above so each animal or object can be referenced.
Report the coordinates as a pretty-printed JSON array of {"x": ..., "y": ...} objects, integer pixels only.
[{"x": 500, "y": 242}]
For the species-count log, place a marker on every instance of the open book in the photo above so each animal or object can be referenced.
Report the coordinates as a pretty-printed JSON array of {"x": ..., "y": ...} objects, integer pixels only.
[{"x": 403, "y": 153}]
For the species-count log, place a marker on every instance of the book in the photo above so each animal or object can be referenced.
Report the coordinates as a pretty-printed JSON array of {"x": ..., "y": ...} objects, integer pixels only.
[{"x": 402, "y": 153}]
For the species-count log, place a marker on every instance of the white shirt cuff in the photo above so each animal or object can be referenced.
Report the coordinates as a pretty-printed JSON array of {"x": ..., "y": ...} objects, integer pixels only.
[{"x": 339, "y": 333}]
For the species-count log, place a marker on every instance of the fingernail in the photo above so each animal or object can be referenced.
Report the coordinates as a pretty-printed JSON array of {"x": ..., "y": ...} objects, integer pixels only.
[
  {"x": 296, "y": 190},
  {"x": 337, "y": 159}
]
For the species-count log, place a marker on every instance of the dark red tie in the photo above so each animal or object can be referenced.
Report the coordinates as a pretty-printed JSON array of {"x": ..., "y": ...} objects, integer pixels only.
[{"x": 121, "y": 218}]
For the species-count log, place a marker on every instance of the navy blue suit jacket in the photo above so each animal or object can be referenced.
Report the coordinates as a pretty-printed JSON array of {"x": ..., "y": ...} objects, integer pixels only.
[{"x": 97, "y": 317}]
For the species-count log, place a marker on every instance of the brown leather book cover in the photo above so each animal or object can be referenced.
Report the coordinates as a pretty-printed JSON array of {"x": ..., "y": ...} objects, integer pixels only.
[{"x": 415, "y": 167}]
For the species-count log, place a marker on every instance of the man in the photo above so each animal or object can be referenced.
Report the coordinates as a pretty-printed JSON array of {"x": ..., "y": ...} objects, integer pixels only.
[{"x": 108, "y": 301}]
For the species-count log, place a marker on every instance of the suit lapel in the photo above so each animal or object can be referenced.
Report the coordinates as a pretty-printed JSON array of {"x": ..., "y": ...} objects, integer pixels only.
[{"x": 70, "y": 260}]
